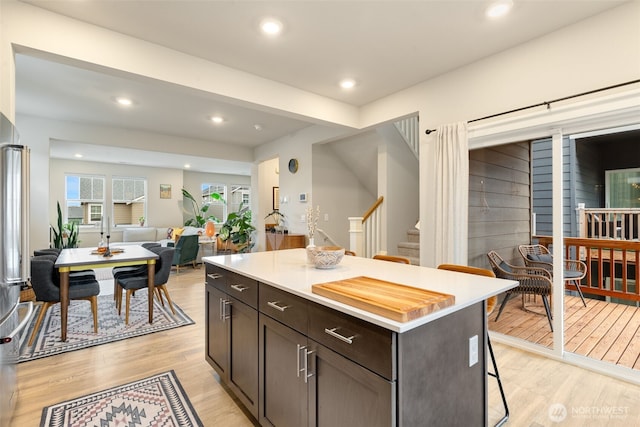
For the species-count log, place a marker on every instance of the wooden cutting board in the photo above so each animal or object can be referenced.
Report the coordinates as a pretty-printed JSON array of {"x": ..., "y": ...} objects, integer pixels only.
[{"x": 392, "y": 300}]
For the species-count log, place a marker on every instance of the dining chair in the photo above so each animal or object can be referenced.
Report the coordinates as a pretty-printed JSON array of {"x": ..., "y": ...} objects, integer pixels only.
[
  {"x": 539, "y": 256},
  {"x": 393, "y": 258},
  {"x": 531, "y": 280},
  {"x": 350, "y": 253},
  {"x": 491, "y": 305},
  {"x": 131, "y": 270},
  {"x": 134, "y": 282},
  {"x": 46, "y": 286}
]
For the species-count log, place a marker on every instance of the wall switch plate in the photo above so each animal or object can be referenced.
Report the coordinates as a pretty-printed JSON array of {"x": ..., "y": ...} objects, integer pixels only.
[
  {"x": 326, "y": 217},
  {"x": 473, "y": 350}
]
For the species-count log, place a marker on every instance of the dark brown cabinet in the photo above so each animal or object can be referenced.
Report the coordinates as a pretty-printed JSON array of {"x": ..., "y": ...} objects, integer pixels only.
[
  {"x": 303, "y": 383},
  {"x": 232, "y": 333},
  {"x": 283, "y": 381}
]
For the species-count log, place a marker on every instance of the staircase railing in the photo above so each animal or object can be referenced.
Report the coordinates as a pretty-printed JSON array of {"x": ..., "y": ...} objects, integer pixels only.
[
  {"x": 409, "y": 128},
  {"x": 326, "y": 237},
  {"x": 366, "y": 231}
]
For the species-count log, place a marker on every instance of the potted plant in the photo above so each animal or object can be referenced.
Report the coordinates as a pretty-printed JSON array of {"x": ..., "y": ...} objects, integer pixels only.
[
  {"x": 200, "y": 216},
  {"x": 141, "y": 221},
  {"x": 238, "y": 229},
  {"x": 279, "y": 218},
  {"x": 66, "y": 235}
]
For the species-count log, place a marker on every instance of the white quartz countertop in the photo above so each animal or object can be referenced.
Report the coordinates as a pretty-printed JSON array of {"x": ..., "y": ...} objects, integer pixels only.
[{"x": 288, "y": 270}]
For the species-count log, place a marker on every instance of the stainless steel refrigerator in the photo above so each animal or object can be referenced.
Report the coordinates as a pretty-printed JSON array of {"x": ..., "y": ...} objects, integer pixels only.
[{"x": 14, "y": 259}]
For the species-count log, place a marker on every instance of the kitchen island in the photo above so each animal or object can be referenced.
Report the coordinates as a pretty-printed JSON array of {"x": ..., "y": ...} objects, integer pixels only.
[{"x": 295, "y": 358}]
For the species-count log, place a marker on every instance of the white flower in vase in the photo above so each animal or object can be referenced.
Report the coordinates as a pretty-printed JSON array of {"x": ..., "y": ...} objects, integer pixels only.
[{"x": 312, "y": 222}]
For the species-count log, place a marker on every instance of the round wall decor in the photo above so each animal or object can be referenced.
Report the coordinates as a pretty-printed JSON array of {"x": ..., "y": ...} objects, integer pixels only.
[{"x": 293, "y": 165}]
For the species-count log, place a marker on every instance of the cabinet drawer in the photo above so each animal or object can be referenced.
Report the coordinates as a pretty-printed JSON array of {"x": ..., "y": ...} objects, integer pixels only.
[
  {"x": 242, "y": 288},
  {"x": 284, "y": 307},
  {"x": 366, "y": 344},
  {"x": 216, "y": 277}
]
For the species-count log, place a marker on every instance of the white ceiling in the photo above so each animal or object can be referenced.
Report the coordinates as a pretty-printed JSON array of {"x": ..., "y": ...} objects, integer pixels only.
[{"x": 386, "y": 46}]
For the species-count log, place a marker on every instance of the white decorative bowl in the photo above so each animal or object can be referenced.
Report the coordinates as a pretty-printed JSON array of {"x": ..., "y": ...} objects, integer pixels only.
[{"x": 325, "y": 256}]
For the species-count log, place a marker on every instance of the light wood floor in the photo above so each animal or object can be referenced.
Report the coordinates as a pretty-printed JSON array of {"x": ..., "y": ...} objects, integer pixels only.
[
  {"x": 533, "y": 383},
  {"x": 601, "y": 330}
]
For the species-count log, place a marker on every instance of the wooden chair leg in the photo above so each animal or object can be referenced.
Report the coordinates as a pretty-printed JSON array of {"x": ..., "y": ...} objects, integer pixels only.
[
  {"x": 94, "y": 311},
  {"x": 119, "y": 301},
  {"x": 36, "y": 327},
  {"x": 159, "y": 295},
  {"x": 126, "y": 313},
  {"x": 166, "y": 294}
]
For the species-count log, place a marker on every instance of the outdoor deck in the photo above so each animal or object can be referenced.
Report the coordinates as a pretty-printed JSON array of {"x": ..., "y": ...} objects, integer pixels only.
[{"x": 602, "y": 330}]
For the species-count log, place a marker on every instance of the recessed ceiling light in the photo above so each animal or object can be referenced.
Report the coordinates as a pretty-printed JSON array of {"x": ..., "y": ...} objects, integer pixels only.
[
  {"x": 499, "y": 8},
  {"x": 257, "y": 127},
  {"x": 347, "y": 83},
  {"x": 77, "y": 155},
  {"x": 217, "y": 119},
  {"x": 187, "y": 166},
  {"x": 271, "y": 27},
  {"x": 124, "y": 101}
]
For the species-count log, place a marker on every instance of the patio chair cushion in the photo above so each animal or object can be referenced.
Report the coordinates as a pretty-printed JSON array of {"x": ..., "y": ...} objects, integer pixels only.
[
  {"x": 572, "y": 274},
  {"x": 506, "y": 267},
  {"x": 541, "y": 257}
]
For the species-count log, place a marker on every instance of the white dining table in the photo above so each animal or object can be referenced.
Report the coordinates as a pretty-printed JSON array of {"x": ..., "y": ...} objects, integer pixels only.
[{"x": 77, "y": 259}]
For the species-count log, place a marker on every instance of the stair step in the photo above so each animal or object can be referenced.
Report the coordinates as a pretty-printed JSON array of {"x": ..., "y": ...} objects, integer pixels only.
[
  {"x": 409, "y": 249},
  {"x": 413, "y": 235}
]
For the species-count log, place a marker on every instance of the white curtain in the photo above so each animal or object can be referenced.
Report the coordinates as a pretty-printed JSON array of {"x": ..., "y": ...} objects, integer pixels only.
[{"x": 451, "y": 194}]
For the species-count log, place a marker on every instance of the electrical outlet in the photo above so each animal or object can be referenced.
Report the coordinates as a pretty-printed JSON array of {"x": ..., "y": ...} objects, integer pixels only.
[
  {"x": 303, "y": 218},
  {"x": 473, "y": 350}
]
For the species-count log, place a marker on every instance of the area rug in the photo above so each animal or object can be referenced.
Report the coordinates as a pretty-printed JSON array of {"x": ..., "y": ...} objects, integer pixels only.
[
  {"x": 111, "y": 327},
  {"x": 158, "y": 400}
]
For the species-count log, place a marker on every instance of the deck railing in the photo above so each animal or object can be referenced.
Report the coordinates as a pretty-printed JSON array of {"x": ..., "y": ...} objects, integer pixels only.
[
  {"x": 613, "y": 266},
  {"x": 600, "y": 223}
]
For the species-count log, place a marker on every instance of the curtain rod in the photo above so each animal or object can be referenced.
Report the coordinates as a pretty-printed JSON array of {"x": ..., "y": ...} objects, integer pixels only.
[{"x": 547, "y": 103}]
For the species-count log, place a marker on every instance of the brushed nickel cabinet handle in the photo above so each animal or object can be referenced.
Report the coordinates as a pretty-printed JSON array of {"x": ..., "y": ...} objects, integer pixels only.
[
  {"x": 307, "y": 375},
  {"x": 274, "y": 304},
  {"x": 214, "y": 276},
  {"x": 239, "y": 288},
  {"x": 334, "y": 334},
  {"x": 298, "y": 348},
  {"x": 225, "y": 316}
]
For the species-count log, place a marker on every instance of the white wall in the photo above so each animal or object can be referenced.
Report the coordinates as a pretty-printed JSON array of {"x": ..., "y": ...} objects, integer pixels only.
[
  {"x": 338, "y": 191},
  {"x": 268, "y": 177}
]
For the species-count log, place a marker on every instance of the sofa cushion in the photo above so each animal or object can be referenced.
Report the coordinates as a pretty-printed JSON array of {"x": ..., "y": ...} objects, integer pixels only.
[{"x": 139, "y": 234}]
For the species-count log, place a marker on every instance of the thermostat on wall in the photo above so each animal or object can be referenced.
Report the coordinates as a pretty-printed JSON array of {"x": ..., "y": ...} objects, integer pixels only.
[{"x": 303, "y": 197}]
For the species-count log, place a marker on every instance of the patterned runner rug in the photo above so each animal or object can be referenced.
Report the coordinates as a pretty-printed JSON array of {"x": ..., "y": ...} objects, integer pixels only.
[
  {"x": 155, "y": 401},
  {"x": 111, "y": 327}
]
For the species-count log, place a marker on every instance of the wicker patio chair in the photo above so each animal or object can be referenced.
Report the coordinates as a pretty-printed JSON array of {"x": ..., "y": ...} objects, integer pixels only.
[
  {"x": 539, "y": 256},
  {"x": 532, "y": 281}
]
